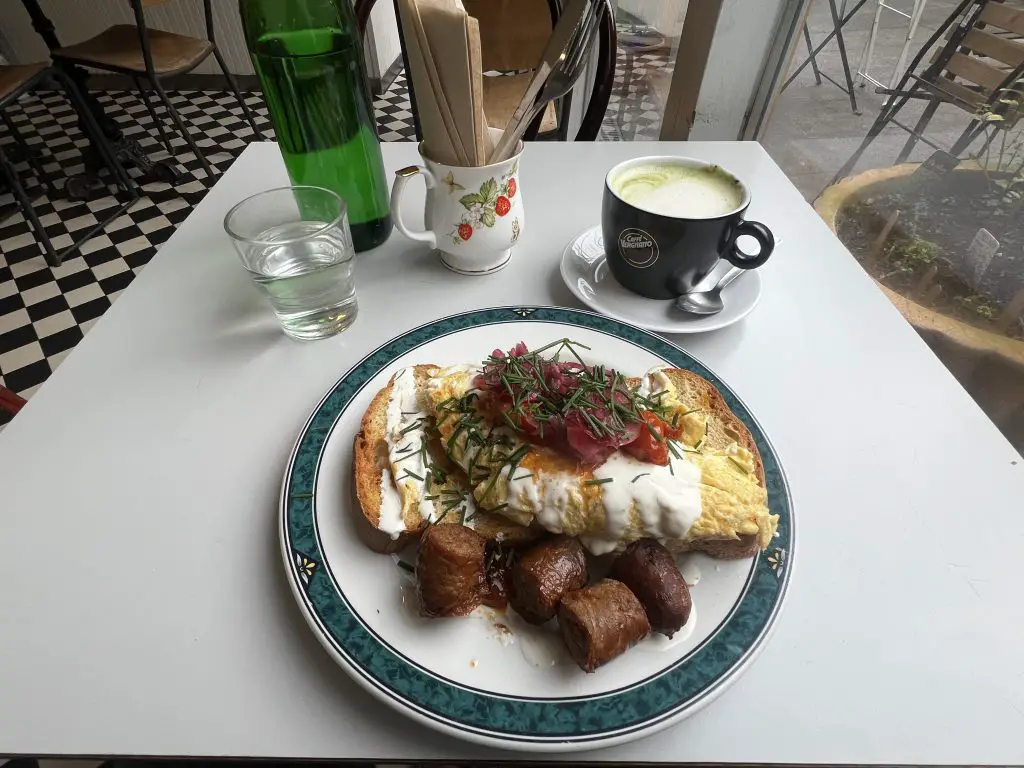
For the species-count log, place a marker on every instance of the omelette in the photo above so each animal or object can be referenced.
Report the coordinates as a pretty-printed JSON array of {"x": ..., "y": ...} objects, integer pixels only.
[{"x": 711, "y": 489}]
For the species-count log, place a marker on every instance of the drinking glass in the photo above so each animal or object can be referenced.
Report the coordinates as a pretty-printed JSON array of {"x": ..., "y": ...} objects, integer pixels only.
[{"x": 296, "y": 244}]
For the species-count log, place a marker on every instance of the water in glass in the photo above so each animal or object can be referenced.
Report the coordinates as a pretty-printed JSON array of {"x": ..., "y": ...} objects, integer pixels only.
[{"x": 307, "y": 277}]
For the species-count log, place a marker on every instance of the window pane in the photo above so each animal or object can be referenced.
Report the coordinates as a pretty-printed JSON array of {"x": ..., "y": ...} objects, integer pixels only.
[
  {"x": 930, "y": 197},
  {"x": 648, "y": 32}
]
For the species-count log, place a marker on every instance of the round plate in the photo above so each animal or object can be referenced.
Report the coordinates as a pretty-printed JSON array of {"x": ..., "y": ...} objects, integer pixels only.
[
  {"x": 585, "y": 271},
  {"x": 468, "y": 677}
]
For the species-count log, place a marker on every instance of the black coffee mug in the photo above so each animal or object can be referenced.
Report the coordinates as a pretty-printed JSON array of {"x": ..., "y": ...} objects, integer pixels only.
[{"x": 663, "y": 257}]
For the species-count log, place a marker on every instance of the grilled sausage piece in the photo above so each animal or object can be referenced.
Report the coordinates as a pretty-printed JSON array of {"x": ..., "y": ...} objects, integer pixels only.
[
  {"x": 601, "y": 622},
  {"x": 543, "y": 574},
  {"x": 450, "y": 570},
  {"x": 651, "y": 573}
]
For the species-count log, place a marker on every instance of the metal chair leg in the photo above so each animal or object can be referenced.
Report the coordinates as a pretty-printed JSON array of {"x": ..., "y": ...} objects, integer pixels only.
[
  {"x": 876, "y": 128},
  {"x": 971, "y": 132},
  {"x": 919, "y": 128},
  {"x": 95, "y": 133},
  {"x": 182, "y": 127},
  {"x": 152, "y": 113},
  {"x": 238, "y": 94},
  {"x": 30, "y": 155},
  {"x": 811, "y": 56},
  {"x": 841, "y": 43},
  {"x": 989, "y": 138},
  {"x": 11, "y": 176}
]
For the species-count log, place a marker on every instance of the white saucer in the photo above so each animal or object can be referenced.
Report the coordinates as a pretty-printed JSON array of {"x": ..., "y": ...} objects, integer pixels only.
[{"x": 587, "y": 275}]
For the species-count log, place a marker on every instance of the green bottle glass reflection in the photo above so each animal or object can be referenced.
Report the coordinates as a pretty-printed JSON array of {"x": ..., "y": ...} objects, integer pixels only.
[{"x": 308, "y": 57}]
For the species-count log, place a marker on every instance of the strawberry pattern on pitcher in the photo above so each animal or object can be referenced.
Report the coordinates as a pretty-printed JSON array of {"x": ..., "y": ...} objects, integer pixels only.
[{"x": 483, "y": 208}]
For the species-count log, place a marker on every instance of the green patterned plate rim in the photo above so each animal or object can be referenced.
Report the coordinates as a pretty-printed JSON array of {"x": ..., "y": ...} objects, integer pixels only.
[{"x": 516, "y": 722}]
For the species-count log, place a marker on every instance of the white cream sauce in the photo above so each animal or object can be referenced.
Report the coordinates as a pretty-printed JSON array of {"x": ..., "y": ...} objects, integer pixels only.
[
  {"x": 653, "y": 382},
  {"x": 524, "y": 492},
  {"x": 405, "y": 432},
  {"x": 390, "y": 521},
  {"x": 561, "y": 494},
  {"x": 542, "y": 646},
  {"x": 690, "y": 571},
  {"x": 598, "y": 546},
  {"x": 667, "y": 499},
  {"x": 658, "y": 642}
]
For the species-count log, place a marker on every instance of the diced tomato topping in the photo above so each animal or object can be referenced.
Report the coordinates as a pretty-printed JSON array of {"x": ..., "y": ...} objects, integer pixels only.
[
  {"x": 651, "y": 444},
  {"x": 675, "y": 432}
]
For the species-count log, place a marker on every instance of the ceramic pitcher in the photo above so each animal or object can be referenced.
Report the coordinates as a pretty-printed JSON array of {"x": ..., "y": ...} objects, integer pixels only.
[{"x": 474, "y": 215}]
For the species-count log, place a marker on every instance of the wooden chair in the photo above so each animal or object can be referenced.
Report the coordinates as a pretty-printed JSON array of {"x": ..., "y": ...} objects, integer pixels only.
[
  {"x": 512, "y": 39},
  {"x": 153, "y": 54},
  {"x": 15, "y": 82},
  {"x": 513, "y": 35},
  {"x": 10, "y": 402},
  {"x": 981, "y": 57}
]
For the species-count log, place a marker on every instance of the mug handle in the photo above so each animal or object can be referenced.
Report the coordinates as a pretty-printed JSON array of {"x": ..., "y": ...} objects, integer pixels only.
[
  {"x": 764, "y": 238},
  {"x": 402, "y": 178}
]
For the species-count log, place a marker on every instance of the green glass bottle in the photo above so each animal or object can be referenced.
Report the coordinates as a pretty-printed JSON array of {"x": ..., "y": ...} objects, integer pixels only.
[{"x": 308, "y": 57}]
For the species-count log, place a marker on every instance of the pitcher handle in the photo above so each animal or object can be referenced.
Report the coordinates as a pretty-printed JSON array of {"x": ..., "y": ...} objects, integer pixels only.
[{"x": 402, "y": 178}]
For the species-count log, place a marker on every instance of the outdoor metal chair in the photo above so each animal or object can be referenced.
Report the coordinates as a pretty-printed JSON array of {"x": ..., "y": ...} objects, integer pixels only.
[
  {"x": 981, "y": 58},
  {"x": 153, "y": 54}
]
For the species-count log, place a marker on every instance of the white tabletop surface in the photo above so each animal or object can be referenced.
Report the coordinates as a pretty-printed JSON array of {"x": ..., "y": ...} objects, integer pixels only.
[{"x": 144, "y": 607}]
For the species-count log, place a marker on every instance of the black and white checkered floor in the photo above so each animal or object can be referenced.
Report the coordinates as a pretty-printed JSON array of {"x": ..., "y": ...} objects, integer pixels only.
[{"x": 44, "y": 312}]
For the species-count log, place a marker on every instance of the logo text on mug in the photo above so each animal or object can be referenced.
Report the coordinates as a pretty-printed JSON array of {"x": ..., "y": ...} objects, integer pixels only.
[{"x": 638, "y": 248}]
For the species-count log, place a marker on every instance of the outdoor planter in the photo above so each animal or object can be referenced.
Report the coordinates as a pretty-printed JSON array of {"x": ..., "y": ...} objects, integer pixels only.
[{"x": 934, "y": 285}]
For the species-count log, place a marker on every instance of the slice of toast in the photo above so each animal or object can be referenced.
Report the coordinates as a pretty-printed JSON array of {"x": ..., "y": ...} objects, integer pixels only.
[
  {"x": 371, "y": 463},
  {"x": 724, "y": 428}
]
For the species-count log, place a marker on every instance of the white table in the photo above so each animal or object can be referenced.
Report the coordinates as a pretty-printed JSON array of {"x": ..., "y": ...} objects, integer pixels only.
[{"x": 144, "y": 608}]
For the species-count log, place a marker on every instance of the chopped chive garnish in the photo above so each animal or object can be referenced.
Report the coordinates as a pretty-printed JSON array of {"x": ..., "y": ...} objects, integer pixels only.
[
  {"x": 657, "y": 435},
  {"x": 415, "y": 425},
  {"x": 444, "y": 514},
  {"x": 642, "y": 474},
  {"x": 598, "y": 481},
  {"x": 745, "y": 470}
]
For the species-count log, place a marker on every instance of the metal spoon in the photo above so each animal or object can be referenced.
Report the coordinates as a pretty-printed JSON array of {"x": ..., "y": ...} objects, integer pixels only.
[{"x": 708, "y": 302}]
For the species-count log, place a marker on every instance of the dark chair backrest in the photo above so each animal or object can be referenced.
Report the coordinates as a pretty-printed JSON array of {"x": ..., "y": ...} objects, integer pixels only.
[{"x": 509, "y": 41}]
